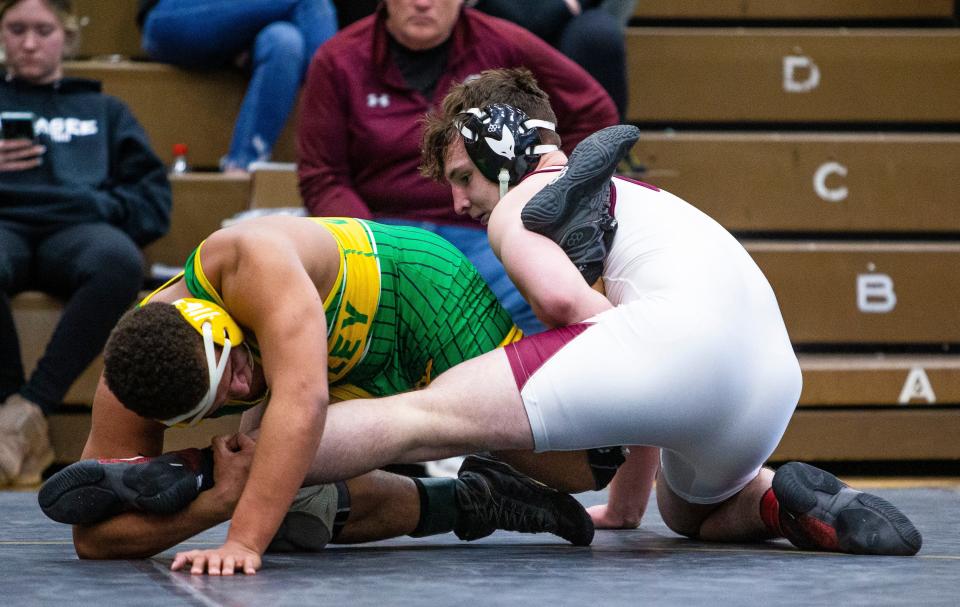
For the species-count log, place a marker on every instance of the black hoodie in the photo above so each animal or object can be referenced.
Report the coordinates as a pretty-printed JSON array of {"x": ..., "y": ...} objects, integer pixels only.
[{"x": 98, "y": 165}]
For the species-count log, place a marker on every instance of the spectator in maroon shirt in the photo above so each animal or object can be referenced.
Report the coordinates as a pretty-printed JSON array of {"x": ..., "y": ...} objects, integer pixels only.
[{"x": 367, "y": 90}]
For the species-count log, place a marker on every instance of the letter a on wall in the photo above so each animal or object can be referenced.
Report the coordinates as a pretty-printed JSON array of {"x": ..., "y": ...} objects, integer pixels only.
[{"x": 917, "y": 386}]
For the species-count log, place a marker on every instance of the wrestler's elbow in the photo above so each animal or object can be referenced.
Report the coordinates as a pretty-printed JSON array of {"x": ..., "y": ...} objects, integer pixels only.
[{"x": 556, "y": 309}]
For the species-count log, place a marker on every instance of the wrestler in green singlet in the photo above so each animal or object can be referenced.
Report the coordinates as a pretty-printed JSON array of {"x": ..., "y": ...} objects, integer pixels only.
[{"x": 406, "y": 306}]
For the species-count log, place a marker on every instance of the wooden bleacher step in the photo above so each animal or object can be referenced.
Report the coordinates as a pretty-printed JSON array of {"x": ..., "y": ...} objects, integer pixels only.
[
  {"x": 841, "y": 183},
  {"x": 864, "y": 293},
  {"x": 825, "y": 75},
  {"x": 197, "y": 108},
  {"x": 108, "y": 28},
  {"x": 794, "y": 9}
]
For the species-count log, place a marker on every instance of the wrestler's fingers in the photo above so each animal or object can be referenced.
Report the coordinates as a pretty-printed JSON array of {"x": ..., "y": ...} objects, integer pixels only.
[
  {"x": 213, "y": 565},
  {"x": 182, "y": 558},
  {"x": 199, "y": 564}
]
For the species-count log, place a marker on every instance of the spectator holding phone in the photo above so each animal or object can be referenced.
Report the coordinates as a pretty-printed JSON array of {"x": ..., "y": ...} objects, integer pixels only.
[{"x": 79, "y": 196}]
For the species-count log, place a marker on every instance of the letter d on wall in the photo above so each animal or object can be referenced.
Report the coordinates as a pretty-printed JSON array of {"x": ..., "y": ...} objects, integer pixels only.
[{"x": 793, "y": 66}]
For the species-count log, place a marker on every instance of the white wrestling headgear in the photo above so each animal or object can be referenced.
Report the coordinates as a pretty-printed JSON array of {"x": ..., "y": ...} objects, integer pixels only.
[{"x": 217, "y": 327}]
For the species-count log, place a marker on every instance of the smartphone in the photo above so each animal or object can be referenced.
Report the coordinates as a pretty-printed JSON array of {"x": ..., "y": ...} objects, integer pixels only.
[{"x": 17, "y": 125}]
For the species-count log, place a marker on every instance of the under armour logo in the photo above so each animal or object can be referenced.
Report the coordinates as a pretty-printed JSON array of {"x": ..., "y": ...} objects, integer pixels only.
[
  {"x": 381, "y": 100},
  {"x": 504, "y": 146}
]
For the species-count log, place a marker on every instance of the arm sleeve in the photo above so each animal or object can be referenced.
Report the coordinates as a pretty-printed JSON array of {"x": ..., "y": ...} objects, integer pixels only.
[
  {"x": 323, "y": 145},
  {"x": 137, "y": 188},
  {"x": 581, "y": 104}
]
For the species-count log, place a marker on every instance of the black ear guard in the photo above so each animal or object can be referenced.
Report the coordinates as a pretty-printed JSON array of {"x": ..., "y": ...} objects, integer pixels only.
[{"x": 503, "y": 142}]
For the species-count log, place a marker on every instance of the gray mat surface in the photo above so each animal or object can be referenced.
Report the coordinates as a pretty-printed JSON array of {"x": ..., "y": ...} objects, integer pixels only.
[{"x": 648, "y": 566}]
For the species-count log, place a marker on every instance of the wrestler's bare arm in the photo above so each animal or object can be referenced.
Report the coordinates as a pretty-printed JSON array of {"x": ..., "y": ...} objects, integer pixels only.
[
  {"x": 629, "y": 490},
  {"x": 139, "y": 535},
  {"x": 264, "y": 282},
  {"x": 538, "y": 266},
  {"x": 116, "y": 432}
]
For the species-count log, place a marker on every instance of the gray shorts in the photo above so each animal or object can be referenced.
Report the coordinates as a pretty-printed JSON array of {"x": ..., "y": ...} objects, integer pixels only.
[{"x": 315, "y": 518}]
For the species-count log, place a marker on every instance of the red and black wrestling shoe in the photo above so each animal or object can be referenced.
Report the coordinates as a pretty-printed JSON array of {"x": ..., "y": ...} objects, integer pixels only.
[
  {"x": 94, "y": 490},
  {"x": 815, "y": 511}
]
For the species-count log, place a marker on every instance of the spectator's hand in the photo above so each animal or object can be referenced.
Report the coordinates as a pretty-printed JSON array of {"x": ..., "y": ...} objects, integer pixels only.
[
  {"x": 19, "y": 155},
  {"x": 574, "y": 6},
  {"x": 605, "y": 517},
  {"x": 232, "y": 457}
]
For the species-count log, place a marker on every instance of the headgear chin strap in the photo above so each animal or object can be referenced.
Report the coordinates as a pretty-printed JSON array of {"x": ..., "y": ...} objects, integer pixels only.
[
  {"x": 217, "y": 327},
  {"x": 503, "y": 142}
]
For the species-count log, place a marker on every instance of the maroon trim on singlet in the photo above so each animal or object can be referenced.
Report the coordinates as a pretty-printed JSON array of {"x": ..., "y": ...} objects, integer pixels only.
[
  {"x": 529, "y": 354},
  {"x": 551, "y": 169},
  {"x": 640, "y": 183}
]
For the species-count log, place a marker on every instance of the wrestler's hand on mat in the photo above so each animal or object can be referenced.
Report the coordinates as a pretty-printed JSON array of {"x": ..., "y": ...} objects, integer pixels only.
[
  {"x": 232, "y": 457},
  {"x": 225, "y": 560},
  {"x": 605, "y": 517}
]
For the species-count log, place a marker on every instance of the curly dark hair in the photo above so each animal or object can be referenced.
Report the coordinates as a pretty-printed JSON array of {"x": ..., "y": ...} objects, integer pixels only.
[
  {"x": 154, "y": 362},
  {"x": 513, "y": 86}
]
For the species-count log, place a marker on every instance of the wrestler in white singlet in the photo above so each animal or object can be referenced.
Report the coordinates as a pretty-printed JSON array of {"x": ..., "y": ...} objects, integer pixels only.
[{"x": 694, "y": 358}]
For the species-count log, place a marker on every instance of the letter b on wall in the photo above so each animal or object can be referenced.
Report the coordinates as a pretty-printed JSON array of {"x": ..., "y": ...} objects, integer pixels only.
[{"x": 875, "y": 294}]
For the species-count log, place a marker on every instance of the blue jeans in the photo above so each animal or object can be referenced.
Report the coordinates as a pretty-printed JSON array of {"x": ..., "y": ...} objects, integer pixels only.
[
  {"x": 473, "y": 243},
  {"x": 281, "y": 36}
]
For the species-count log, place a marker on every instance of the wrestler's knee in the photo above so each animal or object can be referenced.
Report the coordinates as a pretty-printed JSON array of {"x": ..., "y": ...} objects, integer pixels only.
[{"x": 679, "y": 515}]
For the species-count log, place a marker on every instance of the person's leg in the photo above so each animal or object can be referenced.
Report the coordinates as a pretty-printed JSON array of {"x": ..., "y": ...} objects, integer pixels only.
[
  {"x": 15, "y": 260},
  {"x": 473, "y": 407},
  {"x": 567, "y": 471},
  {"x": 473, "y": 243},
  {"x": 99, "y": 271},
  {"x": 622, "y": 10},
  {"x": 317, "y": 22},
  {"x": 808, "y": 506},
  {"x": 486, "y": 495},
  {"x": 736, "y": 519},
  {"x": 208, "y": 33},
  {"x": 15, "y": 255},
  {"x": 595, "y": 41},
  {"x": 279, "y": 57}
]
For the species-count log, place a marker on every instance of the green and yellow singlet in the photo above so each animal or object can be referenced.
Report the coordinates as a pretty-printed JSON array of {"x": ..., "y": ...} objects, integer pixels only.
[{"x": 406, "y": 306}]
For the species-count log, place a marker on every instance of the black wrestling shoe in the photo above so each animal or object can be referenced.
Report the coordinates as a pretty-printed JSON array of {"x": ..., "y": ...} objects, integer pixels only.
[
  {"x": 574, "y": 210},
  {"x": 491, "y": 495},
  {"x": 93, "y": 490},
  {"x": 818, "y": 512}
]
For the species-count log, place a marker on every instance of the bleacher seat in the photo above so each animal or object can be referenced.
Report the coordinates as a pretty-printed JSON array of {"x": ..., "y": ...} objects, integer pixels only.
[
  {"x": 197, "y": 108},
  {"x": 852, "y": 183},
  {"x": 201, "y": 202},
  {"x": 108, "y": 28},
  {"x": 274, "y": 185},
  {"x": 794, "y": 9},
  {"x": 887, "y": 380},
  {"x": 793, "y": 75},
  {"x": 865, "y": 293}
]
